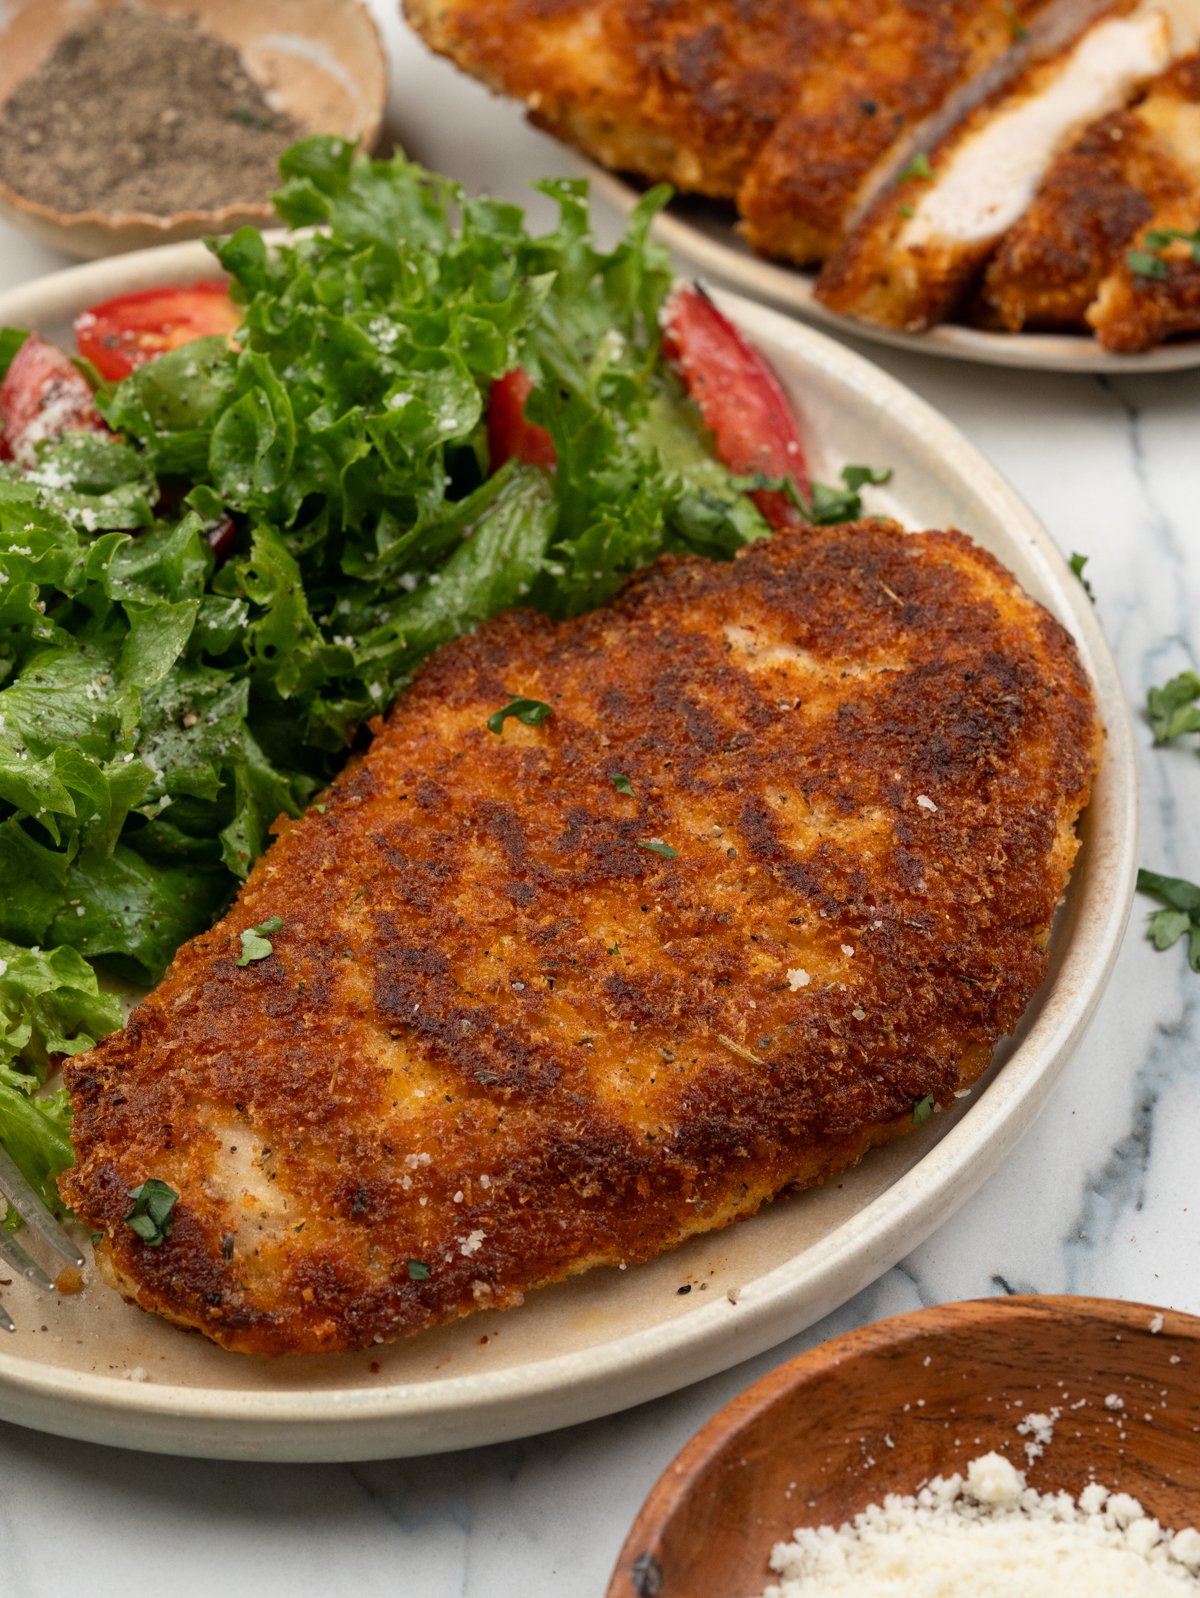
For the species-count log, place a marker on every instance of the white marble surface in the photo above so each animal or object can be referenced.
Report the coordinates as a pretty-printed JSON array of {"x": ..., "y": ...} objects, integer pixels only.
[{"x": 1103, "y": 1196}]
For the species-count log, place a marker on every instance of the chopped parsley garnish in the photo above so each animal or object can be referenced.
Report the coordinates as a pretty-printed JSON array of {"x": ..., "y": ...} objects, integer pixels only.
[
  {"x": 418, "y": 1271},
  {"x": 151, "y": 1216},
  {"x": 620, "y": 782},
  {"x": 906, "y": 210},
  {"x": 531, "y": 712},
  {"x": 855, "y": 477},
  {"x": 1172, "y": 708},
  {"x": 1182, "y": 915},
  {"x": 657, "y": 846},
  {"x": 1160, "y": 238},
  {"x": 1142, "y": 264},
  {"x": 828, "y": 504},
  {"x": 256, "y": 941},
  {"x": 918, "y": 167},
  {"x": 922, "y": 1109},
  {"x": 1077, "y": 563}
]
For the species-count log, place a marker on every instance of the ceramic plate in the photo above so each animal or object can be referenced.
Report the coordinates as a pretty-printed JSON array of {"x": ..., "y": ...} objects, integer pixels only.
[
  {"x": 93, "y": 1368},
  {"x": 702, "y": 233}
]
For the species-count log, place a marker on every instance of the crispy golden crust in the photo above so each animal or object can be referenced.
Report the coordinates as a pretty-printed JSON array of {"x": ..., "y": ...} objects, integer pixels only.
[
  {"x": 1133, "y": 312},
  {"x": 901, "y": 66},
  {"x": 682, "y": 90},
  {"x": 1127, "y": 170},
  {"x": 501, "y": 1036}
]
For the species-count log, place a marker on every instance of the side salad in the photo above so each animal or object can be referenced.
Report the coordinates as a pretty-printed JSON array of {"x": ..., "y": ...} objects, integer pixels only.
[{"x": 235, "y": 524}]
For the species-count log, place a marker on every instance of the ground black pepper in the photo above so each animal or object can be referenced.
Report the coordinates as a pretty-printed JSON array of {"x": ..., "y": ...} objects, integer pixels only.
[{"x": 139, "y": 111}]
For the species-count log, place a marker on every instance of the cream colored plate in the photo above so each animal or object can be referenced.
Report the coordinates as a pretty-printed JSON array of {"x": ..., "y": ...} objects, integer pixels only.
[
  {"x": 93, "y": 1368},
  {"x": 700, "y": 231}
]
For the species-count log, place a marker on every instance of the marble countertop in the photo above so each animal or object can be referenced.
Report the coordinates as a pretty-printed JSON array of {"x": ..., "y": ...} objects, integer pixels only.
[{"x": 1101, "y": 1197}]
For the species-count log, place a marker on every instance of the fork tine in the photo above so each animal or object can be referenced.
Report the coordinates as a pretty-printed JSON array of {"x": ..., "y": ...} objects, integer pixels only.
[
  {"x": 16, "y": 1256},
  {"x": 33, "y": 1211},
  {"x": 7, "y": 1323}
]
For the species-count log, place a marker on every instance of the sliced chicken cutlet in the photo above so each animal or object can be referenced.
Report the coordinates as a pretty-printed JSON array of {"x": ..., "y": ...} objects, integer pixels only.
[
  {"x": 1129, "y": 174},
  {"x": 681, "y": 90},
  {"x": 779, "y": 866},
  {"x": 1152, "y": 293},
  {"x": 1137, "y": 310},
  {"x": 919, "y": 251},
  {"x": 900, "y": 65}
]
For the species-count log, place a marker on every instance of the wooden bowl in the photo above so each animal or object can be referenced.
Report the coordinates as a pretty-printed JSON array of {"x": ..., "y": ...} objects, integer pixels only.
[
  {"x": 321, "y": 59},
  {"x": 883, "y": 1408}
]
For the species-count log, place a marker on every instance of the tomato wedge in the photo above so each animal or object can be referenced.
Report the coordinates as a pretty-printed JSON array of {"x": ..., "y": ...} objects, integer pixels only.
[
  {"x": 740, "y": 398},
  {"x": 42, "y": 396},
  {"x": 122, "y": 334},
  {"x": 509, "y": 433}
]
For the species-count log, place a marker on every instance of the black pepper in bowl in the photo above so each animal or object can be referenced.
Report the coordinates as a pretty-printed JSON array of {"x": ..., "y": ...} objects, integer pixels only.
[{"x": 136, "y": 111}]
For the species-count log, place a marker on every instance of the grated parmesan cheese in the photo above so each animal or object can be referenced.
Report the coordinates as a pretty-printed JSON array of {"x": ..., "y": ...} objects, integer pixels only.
[
  {"x": 1040, "y": 1430},
  {"x": 989, "y": 1535}
]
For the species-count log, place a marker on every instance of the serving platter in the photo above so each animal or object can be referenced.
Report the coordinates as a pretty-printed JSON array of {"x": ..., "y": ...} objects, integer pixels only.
[
  {"x": 702, "y": 233},
  {"x": 90, "y": 1367}
]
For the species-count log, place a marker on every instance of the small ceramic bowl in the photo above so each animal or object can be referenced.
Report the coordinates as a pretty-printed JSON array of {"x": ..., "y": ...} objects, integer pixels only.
[
  {"x": 884, "y": 1408},
  {"x": 322, "y": 61}
]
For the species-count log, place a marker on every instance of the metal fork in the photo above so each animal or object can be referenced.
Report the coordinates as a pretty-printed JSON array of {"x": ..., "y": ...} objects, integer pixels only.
[{"x": 40, "y": 1222}]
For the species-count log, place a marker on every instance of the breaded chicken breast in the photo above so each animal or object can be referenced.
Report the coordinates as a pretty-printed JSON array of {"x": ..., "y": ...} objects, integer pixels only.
[
  {"x": 916, "y": 256},
  {"x": 901, "y": 64},
  {"x": 1129, "y": 173},
  {"x": 1152, "y": 292},
  {"x": 1136, "y": 310},
  {"x": 785, "y": 105},
  {"x": 680, "y": 90},
  {"x": 777, "y": 866}
]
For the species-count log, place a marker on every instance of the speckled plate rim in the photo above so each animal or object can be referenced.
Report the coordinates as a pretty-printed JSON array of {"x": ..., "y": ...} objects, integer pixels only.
[
  {"x": 730, "y": 260},
  {"x": 411, "y": 1418}
]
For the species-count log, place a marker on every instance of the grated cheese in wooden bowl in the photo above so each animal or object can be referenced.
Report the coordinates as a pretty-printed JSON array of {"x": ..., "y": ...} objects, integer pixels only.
[{"x": 989, "y": 1535}]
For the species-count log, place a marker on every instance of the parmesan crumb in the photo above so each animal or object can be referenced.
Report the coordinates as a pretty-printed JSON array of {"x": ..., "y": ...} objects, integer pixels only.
[
  {"x": 798, "y": 978},
  {"x": 925, "y": 802},
  {"x": 1040, "y": 1431},
  {"x": 989, "y": 1535}
]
